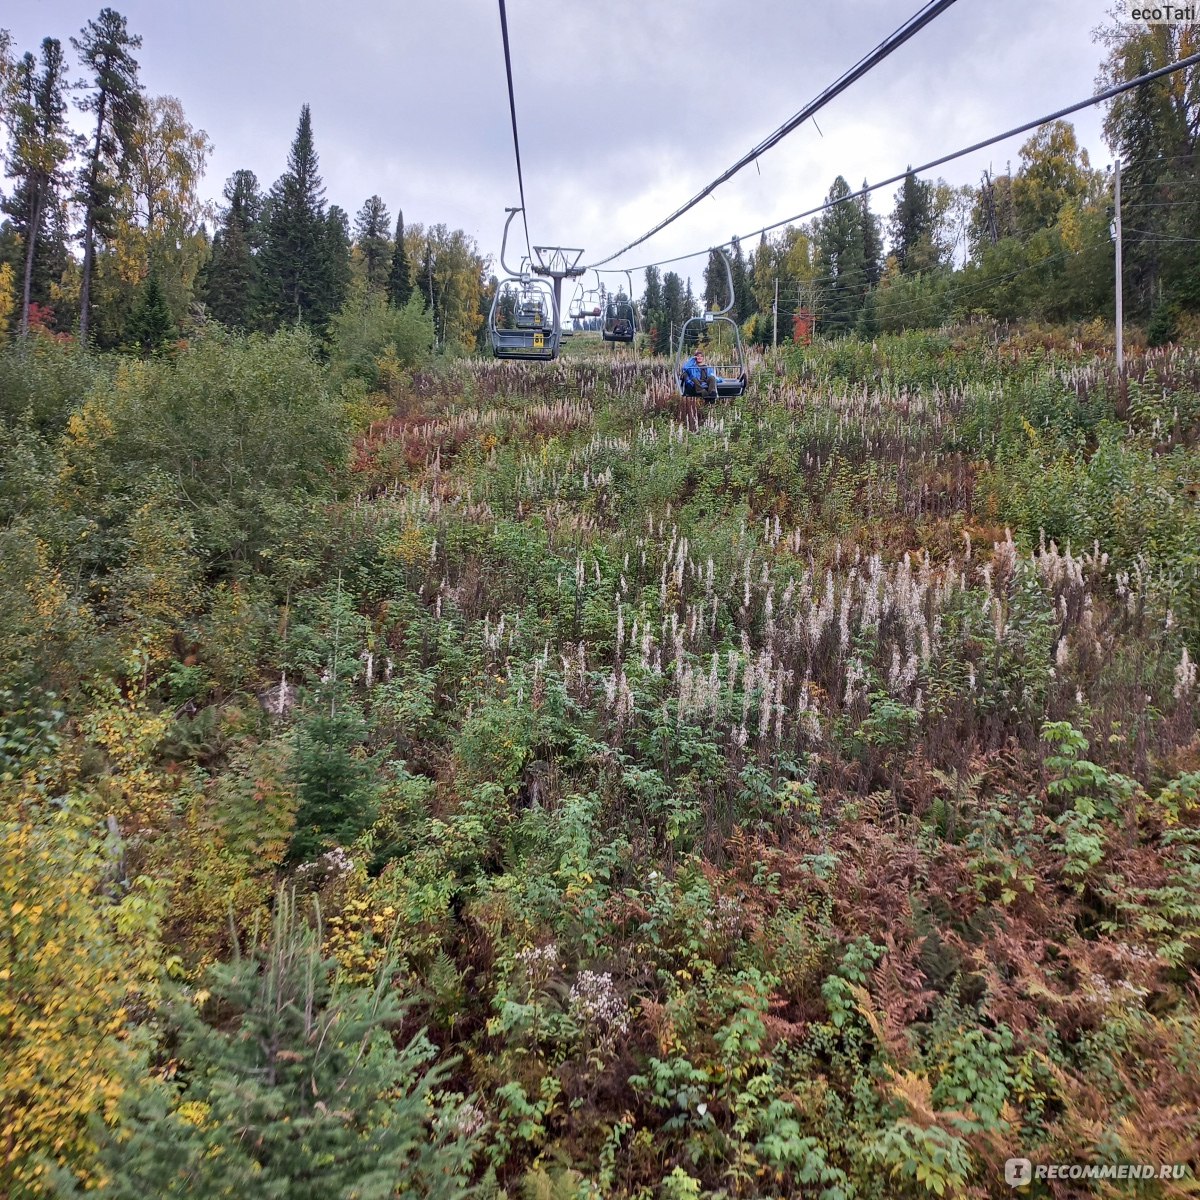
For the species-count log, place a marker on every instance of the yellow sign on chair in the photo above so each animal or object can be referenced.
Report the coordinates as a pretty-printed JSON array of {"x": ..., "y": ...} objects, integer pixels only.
[{"x": 539, "y": 341}]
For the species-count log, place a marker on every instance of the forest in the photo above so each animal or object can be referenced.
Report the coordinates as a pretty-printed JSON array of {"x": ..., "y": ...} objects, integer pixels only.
[{"x": 423, "y": 775}]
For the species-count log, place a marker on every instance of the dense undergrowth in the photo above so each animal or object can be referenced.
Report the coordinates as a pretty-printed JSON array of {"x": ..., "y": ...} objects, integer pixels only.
[{"x": 517, "y": 778}]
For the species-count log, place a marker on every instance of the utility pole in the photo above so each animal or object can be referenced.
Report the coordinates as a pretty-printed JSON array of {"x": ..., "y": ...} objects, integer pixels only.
[
  {"x": 1119, "y": 283},
  {"x": 775, "y": 319}
]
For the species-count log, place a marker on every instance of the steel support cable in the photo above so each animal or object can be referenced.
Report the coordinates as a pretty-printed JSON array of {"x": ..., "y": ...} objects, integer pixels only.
[
  {"x": 512, "y": 108},
  {"x": 868, "y": 62},
  {"x": 1108, "y": 94}
]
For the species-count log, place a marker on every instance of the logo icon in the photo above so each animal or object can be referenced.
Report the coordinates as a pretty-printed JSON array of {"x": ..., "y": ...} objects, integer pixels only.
[{"x": 1018, "y": 1172}]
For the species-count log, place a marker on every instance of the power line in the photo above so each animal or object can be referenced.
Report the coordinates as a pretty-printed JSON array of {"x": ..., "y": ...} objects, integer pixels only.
[
  {"x": 1151, "y": 235},
  {"x": 1099, "y": 98},
  {"x": 893, "y": 42},
  {"x": 512, "y": 108}
]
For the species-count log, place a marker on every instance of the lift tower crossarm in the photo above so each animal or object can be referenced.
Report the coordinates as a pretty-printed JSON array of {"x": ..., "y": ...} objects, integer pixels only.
[{"x": 557, "y": 263}]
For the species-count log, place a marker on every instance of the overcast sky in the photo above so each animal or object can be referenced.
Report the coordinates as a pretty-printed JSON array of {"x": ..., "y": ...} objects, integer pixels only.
[{"x": 626, "y": 108}]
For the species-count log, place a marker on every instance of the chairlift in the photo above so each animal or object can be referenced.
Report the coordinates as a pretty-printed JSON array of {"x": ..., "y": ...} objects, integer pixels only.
[
  {"x": 523, "y": 321},
  {"x": 718, "y": 335},
  {"x": 585, "y": 303},
  {"x": 620, "y": 316}
]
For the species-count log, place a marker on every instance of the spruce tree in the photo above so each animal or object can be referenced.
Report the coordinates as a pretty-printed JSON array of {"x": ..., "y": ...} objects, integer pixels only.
[
  {"x": 653, "y": 309},
  {"x": 337, "y": 264},
  {"x": 716, "y": 283},
  {"x": 371, "y": 228},
  {"x": 231, "y": 283},
  {"x": 840, "y": 260},
  {"x": 872, "y": 242},
  {"x": 105, "y": 47},
  {"x": 743, "y": 295},
  {"x": 307, "y": 1088},
  {"x": 675, "y": 312},
  {"x": 295, "y": 255},
  {"x": 399, "y": 283},
  {"x": 911, "y": 226},
  {"x": 427, "y": 291},
  {"x": 150, "y": 326}
]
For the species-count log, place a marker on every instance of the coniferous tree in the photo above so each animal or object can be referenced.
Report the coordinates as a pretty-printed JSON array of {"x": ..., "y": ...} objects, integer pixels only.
[
  {"x": 716, "y": 283},
  {"x": 337, "y": 263},
  {"x": 150, "y": 326},
  {"x": 764, "y": 271},
  {"x": 296, "y": 243},
  {"x": 743, "y": 295},
  {"x": 677, "y": 304},
  {"x": 231, "y": 281},
  {"x": 41, "y": 143},
  {"x": 1155, "y": 129},
  {"x": 872, "y": 243},
  {"x": 399, "y": 283},
  {"x": 426, "y": 290},
  {"x": 911, "y": 227},
  {"x": 371, "y": 228},
  {"x": 105, "y": 47},
  {"x": 307, "y": 1063},
  {"x": 840, "y": 260},
  {"x": 653, "y": 309}
]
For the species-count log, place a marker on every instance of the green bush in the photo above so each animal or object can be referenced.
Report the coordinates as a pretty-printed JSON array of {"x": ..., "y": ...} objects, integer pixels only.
[
  {"x": 368, "y": 331},
  {"x": 46, "y": 379},
  {"x": 234, "y": 425}
]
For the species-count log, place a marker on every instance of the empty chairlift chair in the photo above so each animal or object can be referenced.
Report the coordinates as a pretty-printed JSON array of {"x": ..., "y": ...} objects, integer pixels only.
[
  {"x": 584, "y": 306},
  {"x": 523, "y": 321}
]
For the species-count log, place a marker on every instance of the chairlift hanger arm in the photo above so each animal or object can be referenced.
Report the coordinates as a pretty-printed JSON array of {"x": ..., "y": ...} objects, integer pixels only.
[
  {"x": 512, "y": 212},
  {"x": 729, "y": 277}
]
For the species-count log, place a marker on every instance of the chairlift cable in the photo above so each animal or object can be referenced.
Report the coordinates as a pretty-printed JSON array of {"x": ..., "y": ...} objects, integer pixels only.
[
  {"x": 512, "y": 108},
  {"x": 869, "y": 61},
  {"x": 1099, "y": 98}
]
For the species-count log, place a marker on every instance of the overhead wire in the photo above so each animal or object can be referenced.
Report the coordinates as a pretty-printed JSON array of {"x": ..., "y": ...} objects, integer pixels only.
[
  {"x": 512, "y": 108},
  {"x": 1098, "y": 98},
  {"x": 868, "y": 62}
]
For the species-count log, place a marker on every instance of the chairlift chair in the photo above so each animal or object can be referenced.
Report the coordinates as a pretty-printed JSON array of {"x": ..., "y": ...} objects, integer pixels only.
[
  {"x": 620, "y": 316},
  {"x": 585, "y": 304},
  {"x": 523, "y": 321},
  {"x": 720, "y": 338}
]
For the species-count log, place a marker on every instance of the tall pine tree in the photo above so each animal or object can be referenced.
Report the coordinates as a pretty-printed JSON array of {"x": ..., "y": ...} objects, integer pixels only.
[
  {"x": 677, "y": 304},
  {"x": 911, "y": 226},
  {"x": 743, "y": 294},
  {"x": 371, "y": 228},
  {"x": 41, "y": 143},
  {"x": 653, "y": 312},
  {"x": 399, "y": 283},
  {"x": 872, "y": 242},
  {"x": 231, "y": 283},
  {"x": 840, "y": 260},
  {"x": 105, "y": 47},
  {"x": 337, "y": 264},
  {"x": 296, "y": 252}
]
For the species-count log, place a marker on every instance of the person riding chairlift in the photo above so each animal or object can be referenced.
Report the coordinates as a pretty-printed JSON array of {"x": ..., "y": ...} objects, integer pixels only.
[{"x": 699, "y": 379}]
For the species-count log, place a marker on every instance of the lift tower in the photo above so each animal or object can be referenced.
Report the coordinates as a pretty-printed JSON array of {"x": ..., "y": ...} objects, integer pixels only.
[{"x": 554, "y": 262}]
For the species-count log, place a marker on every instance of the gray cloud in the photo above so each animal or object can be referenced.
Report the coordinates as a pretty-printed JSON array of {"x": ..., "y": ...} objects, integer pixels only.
[{"x": 626, "y": 108}]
